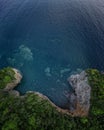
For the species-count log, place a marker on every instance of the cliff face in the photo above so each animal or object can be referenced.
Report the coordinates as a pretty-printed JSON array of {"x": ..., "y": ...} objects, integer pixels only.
[{"x": 80, "y": 99}]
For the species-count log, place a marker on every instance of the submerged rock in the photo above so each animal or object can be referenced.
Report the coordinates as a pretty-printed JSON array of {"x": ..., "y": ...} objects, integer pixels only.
[
  {"x": 47, "y": 71},
  {"x": 21, "y": 55},
  {"x": 81, "y": 95},
  {"x": 65, "y": 70},
  {"x": 25, "y": 52}
]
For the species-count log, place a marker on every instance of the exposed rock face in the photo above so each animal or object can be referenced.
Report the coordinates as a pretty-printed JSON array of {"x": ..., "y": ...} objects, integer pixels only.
[
  {"x": 14, "y": 93},
  {"x": 15, "y": 82},
  {"x": 81, "y": 95}
]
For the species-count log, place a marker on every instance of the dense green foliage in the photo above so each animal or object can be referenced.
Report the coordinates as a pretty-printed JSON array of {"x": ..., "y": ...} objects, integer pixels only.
[
  {"x": 31, "y": 112},
  {"x": 34, "y": 113},
  {"x": 6, "y": 76},
  {"x": 96, "y": 81}
]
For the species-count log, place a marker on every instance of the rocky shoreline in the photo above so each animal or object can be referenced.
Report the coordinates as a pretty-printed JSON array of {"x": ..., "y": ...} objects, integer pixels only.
[
  {"x": 15, "y": 82},
  {"x": 79, "y": 99}
]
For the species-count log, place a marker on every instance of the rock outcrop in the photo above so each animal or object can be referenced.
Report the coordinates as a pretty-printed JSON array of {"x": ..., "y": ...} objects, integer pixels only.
[
  {"x": 80, "y": 99},
  {"x": 15, "y": 82}
]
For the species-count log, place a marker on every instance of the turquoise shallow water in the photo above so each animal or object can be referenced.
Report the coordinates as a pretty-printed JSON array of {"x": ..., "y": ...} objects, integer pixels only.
[{"x": 48, "y": 40}]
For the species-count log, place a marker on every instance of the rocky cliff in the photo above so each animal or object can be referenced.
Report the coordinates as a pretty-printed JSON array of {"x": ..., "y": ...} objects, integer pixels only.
[{"x": 80, "y": 98}]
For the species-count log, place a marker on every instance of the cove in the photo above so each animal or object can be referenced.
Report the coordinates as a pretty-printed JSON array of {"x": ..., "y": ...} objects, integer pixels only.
[{"x": 48, "y": 40}]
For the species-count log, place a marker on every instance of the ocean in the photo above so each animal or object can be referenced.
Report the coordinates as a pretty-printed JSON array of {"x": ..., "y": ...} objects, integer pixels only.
[{"x": 49, "y": 40}]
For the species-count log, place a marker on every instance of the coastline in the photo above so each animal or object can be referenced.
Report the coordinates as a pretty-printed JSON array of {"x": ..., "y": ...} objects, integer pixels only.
[
  {"x": 77, "y": 82},
  {"x": 35, "y": 110},
  {"x": 63, "y": 111}
]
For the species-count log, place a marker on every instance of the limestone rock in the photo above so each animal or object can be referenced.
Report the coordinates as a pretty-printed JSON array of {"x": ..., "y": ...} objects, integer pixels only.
[{"x": 82, "y": 91}]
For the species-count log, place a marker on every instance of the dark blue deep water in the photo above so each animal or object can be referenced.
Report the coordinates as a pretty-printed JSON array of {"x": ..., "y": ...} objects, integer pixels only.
[{"x": 48, "y": 40}]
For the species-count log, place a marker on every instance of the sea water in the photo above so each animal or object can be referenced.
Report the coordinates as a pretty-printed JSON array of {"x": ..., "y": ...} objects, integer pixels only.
[{"x": 48, "y": 40}]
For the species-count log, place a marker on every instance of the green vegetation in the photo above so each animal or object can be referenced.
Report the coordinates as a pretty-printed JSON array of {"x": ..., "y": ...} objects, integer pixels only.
[
  {"x": 31, "y": 112},
  {"x": 6, "y": 76},
  {"x": 96, "y": 81}
]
